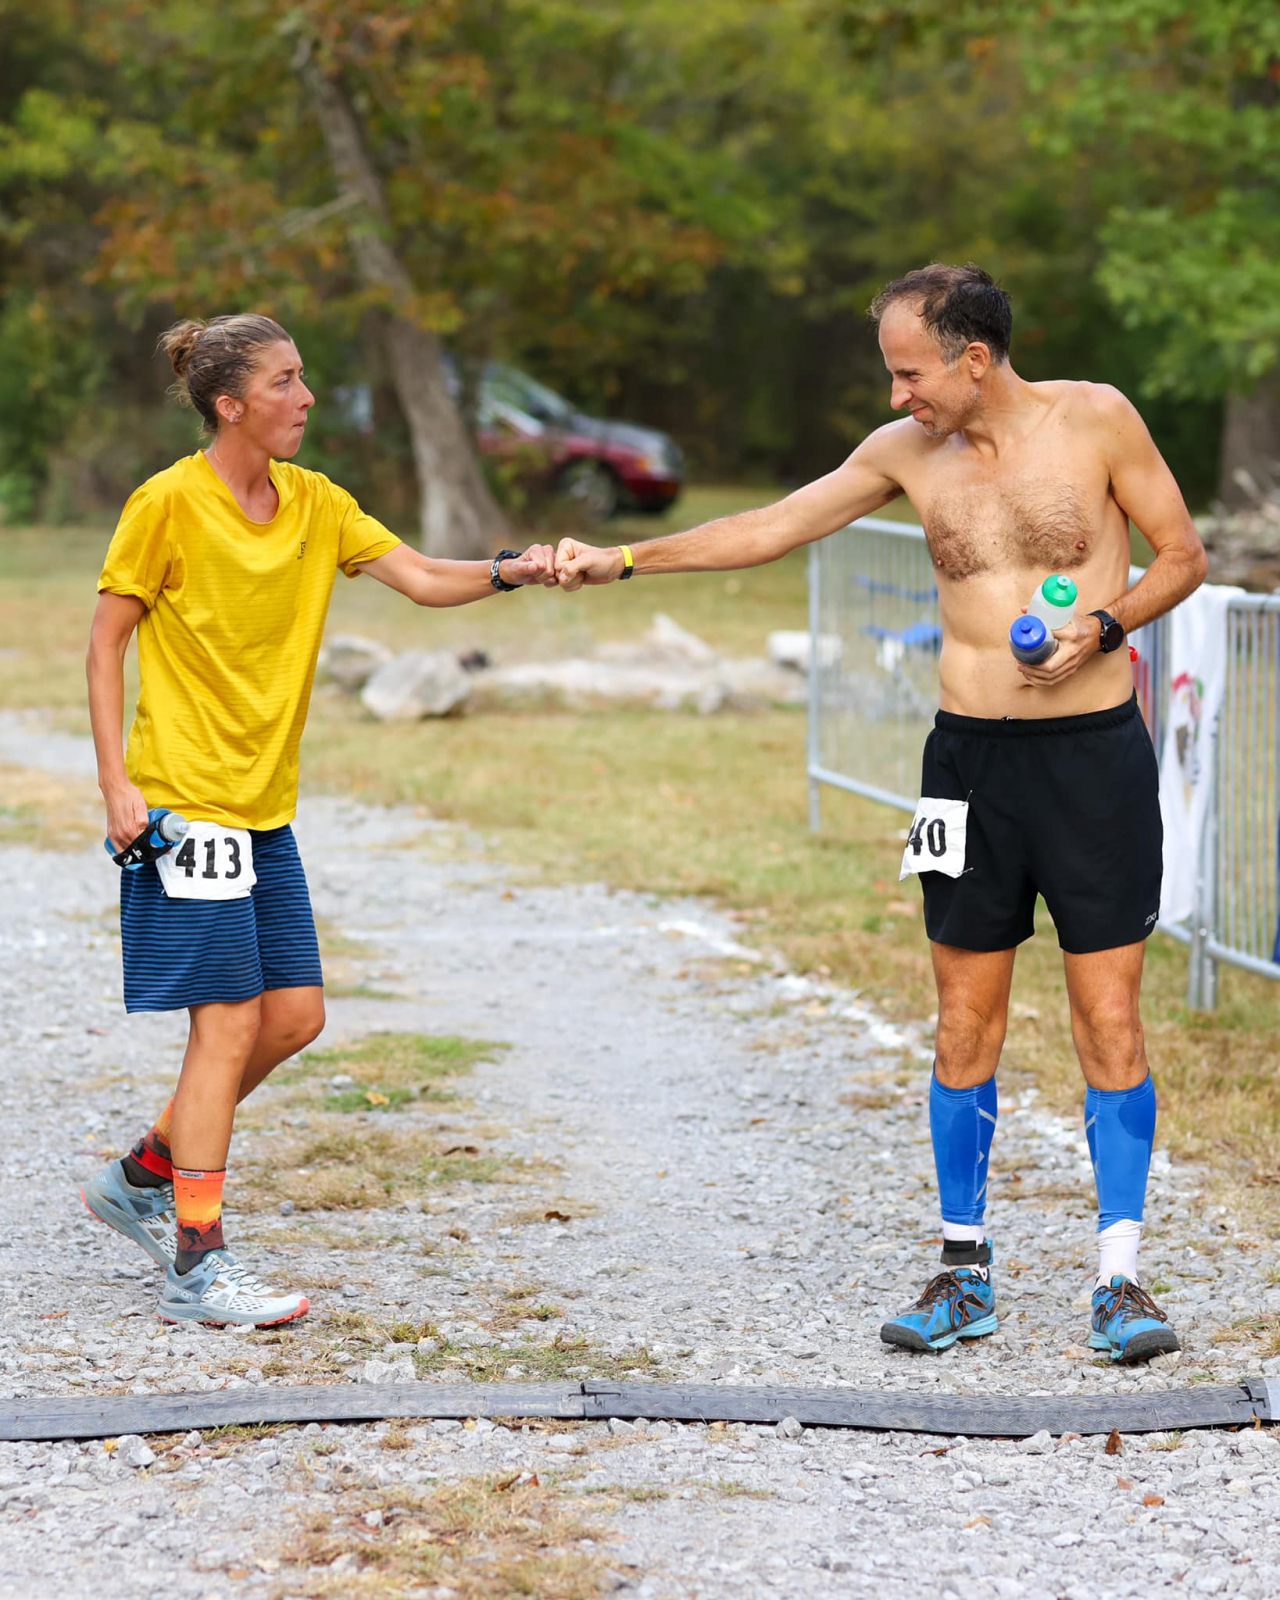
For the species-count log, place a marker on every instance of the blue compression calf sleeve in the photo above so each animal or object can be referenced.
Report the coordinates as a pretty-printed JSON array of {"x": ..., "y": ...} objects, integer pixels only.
[
  {"x": 962, "y": 1122},
  {"x": 1120, "y": 1125}
]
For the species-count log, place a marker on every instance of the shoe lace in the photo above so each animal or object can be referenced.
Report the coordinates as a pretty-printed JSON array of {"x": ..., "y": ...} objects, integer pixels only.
[
  {"x": 938, "y": 1289},
  {"x": 1131, "y": 1297},
  {"x": 241, "y": 1277}
]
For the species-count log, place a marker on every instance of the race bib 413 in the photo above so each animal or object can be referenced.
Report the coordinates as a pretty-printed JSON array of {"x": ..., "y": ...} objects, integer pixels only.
[
  {"x": 937, "y": 838},
  {"x": 211, "y": 863}
]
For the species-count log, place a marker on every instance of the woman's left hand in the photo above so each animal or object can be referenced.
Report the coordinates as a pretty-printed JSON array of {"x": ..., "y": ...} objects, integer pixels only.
[{"x": 536, "y": 565}]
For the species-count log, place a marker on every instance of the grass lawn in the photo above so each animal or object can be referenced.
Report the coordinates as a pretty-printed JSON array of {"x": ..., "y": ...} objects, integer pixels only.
[{"x": 680, "y": 803}]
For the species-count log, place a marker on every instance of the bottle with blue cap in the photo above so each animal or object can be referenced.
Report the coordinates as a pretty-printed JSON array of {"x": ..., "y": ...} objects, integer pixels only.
[
  {"x": 163, "y": 830},
  {"x": 1052, "y": 606}
]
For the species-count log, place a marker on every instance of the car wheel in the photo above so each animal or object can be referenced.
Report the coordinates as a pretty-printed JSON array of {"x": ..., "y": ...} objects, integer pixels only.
[{"x": 592, "y": 486}]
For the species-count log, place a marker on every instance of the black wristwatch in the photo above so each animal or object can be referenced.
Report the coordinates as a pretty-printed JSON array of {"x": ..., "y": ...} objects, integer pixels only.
[
  {"x": 494, "y": 579},
  {"x": 1112, "y": 631}
]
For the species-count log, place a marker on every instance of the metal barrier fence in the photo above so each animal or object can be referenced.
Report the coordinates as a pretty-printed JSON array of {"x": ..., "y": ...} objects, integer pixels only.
[{"x": 875, "y": 638}]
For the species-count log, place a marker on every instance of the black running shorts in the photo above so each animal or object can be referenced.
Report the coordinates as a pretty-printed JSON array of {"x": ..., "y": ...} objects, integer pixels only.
[{"x": 1067, "y": 807}]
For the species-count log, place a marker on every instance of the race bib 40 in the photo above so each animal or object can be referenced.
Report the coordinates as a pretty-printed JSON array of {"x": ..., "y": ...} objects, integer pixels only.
[
  {"x": 936, "y": 841},
  {"x": 211, "y": 863}
]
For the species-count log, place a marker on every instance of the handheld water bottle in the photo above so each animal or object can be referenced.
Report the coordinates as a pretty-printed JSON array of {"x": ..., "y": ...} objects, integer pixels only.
[
  {"x": 164, "y": 829},
  {"x": 1052, "y": 606}
]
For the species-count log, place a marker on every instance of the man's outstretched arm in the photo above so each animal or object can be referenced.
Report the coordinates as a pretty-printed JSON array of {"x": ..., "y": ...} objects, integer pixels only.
[{"x": 861, "y": 485}]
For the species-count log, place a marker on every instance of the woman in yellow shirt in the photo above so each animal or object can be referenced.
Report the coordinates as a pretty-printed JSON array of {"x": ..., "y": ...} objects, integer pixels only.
[{"x": 224, "y": 563}]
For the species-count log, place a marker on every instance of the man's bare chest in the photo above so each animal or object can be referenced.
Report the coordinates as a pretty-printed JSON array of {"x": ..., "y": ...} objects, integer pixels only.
[{"x": 1042, "y": 520}]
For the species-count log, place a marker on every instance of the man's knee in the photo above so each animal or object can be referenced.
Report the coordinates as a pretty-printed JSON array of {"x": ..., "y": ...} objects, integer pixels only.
[
  {"x": 1109, "y": 1039},
  {"x": 968, "y": 1044}
]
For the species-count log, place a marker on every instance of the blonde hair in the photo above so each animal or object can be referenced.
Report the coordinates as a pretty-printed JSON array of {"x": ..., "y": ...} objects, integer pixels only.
[{"x": 216, "y": 357}]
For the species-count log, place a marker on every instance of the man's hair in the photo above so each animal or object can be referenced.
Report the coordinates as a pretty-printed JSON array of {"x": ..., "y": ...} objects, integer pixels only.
[{"x": 959, "y": 306}]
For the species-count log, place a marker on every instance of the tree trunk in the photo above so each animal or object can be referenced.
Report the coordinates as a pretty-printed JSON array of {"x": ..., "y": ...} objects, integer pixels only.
[
  {"x": 1251, "y": 446},
  {"x": 459, "y": 516}
]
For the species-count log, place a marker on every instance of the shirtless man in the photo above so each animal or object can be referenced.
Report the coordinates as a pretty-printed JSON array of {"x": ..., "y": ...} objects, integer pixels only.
[{"x": 1049, "y": 767}]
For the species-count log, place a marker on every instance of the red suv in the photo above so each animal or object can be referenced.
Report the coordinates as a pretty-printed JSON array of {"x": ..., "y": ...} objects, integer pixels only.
[{"x": 604, "y": 466}]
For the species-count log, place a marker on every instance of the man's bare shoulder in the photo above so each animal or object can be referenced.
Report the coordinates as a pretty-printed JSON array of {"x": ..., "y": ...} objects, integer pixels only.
[
  {"x": 902, "y": 440},
  {"x": 1089, "y": 404}
]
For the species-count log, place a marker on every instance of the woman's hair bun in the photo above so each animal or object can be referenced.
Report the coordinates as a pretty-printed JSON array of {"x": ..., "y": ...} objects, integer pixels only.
[{"x": 179, "y": 341}]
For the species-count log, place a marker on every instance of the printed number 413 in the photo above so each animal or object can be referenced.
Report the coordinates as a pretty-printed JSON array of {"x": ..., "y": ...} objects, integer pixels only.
[{"x": 186, "y": 858}]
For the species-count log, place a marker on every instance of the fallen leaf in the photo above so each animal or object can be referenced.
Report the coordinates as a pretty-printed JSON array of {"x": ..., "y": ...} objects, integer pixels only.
[
  {"x": 238, "y": 1573},
  {"x": 1153, "y": 1499},
  {"x": 462, "y": 1150},
  {"x": 941, "y": 1451},
  {"x": 101, "y": 1032},
  {"x": 756, "y": 1121},
  {"x": 1123, "y": 1483},
  {"x": 110, "y": 1444},
  {"x": 1115, "y": 1444},
  {"x": 557, "y": 1216},
  {"x": 508, "y": 894},
  {"x": 376, "y": 1099},
  {"x": 51, "y": 1316},
  {"x": 979, "y": 1522}
]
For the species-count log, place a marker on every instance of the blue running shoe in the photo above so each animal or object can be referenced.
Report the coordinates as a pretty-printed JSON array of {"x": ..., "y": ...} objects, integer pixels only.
[
  {"x": 1127, "y": 1322},
  {"x": 144, "y": 1215},
  {"x": 957, "y": 1304}
]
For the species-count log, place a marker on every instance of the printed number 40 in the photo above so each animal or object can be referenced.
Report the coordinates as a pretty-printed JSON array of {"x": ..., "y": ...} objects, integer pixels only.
[
  {"x": 186, "y": 858},
  {"x": 935, "y": 836}
]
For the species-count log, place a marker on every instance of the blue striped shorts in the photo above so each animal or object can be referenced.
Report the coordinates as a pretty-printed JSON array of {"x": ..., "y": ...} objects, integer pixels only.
[{"x": 180, "y": 953}]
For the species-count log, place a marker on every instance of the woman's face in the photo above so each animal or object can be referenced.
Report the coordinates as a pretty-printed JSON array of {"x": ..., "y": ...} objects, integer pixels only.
[{"x": 272, "y": 413}]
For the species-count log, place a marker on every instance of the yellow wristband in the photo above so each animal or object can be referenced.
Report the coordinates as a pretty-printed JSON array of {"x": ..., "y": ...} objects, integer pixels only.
[{"x": 628, "y": 562}]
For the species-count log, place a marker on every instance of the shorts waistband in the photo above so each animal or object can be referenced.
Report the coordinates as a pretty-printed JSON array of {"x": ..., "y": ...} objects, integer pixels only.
[{"x": 1018, "y": 727}]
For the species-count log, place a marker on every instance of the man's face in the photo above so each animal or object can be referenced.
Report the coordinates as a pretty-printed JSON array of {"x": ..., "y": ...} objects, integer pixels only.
[{"x": 941, "y": 398}]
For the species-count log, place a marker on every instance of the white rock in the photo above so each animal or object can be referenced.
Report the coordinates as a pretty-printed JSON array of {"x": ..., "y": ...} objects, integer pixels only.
[
  {"x": 420, "y": 683},
  {"x": 750, "y": 683},
  {"x": 793, "y": 648},
  {"x": 374, "y": 1371},
  {"x": 790, "y": 1428},
  {"x": 132, "y": 1451},
  {"x": 666, "y": 638},
  {"x": 351, "y": 661},
  {"x": 582, "y": 683},
  {"x": 1039, "y": 1444}
]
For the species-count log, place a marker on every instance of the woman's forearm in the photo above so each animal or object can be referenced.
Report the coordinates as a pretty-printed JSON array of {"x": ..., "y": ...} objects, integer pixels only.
[{"x": 104, "y": 667}]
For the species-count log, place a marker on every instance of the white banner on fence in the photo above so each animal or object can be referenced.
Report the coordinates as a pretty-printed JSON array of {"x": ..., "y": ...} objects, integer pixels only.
[{"x": 1197, "y": 668}]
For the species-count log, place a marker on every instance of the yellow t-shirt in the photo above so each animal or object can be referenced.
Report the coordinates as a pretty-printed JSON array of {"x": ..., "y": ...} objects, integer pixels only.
[{"x": 227, "y": 648}]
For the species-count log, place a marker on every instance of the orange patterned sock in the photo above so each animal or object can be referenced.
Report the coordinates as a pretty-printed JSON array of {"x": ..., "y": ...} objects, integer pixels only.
[
  {"x": 198, "y": 1201},
  {"x": 149, "y": 1163}
]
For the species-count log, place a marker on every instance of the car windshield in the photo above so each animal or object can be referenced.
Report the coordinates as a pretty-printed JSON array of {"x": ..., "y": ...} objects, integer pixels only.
[{"x": 512, "y": 387}]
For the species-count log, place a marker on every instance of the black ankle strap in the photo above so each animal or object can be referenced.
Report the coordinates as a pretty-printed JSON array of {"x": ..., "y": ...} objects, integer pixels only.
[{"x": 966, "y": 1253}]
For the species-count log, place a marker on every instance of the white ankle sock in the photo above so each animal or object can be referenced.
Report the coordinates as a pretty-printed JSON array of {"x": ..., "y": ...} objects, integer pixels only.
[
  {"x": 966, "y": 1233},
  {"x": 1118, "y": 1250}
]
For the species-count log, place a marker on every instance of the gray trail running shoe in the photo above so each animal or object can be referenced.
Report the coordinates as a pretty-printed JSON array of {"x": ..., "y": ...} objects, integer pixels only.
[
  {"x": 220, "y": 1289},
  {"x": 144, "y": 1215}
]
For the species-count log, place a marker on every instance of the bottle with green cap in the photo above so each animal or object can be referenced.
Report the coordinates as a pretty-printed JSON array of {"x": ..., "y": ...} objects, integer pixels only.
[{"x": 1054, "y": 602}]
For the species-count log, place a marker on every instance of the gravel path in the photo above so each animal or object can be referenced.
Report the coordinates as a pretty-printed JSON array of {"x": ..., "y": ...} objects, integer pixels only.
[{"x": 743, "y": 1158}]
